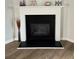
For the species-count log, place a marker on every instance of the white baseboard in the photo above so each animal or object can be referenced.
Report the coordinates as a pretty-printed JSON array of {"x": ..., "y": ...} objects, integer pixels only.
[
  {"x": 68, "y": 39},
  {"x": 8, "y": 41},
  {"x": 16, "y": 39},
  {"x": 11, "y": 40}
]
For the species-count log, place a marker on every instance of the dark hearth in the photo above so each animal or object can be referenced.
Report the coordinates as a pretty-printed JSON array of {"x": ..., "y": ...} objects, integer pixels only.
[
  {"x": 36, "y": 44},
  {"x": 40, "y": 31}
]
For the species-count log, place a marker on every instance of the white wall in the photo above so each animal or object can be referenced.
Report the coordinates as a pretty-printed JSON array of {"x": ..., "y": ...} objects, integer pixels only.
[
  {"x": 16, "y": 16},
  {"x": 68, "y": 20},
  {"x": 67, "y": 25},
  {"x": 8, "y": 21}
]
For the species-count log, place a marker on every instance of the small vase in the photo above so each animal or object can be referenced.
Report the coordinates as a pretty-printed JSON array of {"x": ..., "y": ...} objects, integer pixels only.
[{"x": 18, "y": 26}]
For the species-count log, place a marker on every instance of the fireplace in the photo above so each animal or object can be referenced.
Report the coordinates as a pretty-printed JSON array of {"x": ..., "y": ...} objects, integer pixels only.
[
  {"x": 40, "y": 26},
  {"x": 40, "y": 31}
]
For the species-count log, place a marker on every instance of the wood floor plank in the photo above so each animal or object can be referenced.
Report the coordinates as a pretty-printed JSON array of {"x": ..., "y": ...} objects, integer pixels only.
[{"x": 11, "y": 52}]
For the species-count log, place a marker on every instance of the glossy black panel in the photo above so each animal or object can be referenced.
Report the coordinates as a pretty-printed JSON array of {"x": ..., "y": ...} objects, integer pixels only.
[{"x": 40, "y": 29}]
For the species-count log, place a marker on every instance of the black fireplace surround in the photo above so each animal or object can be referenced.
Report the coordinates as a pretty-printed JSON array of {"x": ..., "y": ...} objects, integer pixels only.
[{"x": 40, "y": 31}]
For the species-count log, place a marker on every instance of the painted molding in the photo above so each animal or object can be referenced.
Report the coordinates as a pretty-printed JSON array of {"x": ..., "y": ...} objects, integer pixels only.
[
  {"x": 8, "y": 41},
  {"x": 16, "y": 39},
  {"x": 42, "y": 48},
  {"x": 68, "y": 39},
  {"x": 11, "y": 40},
  {"x": 63, "y": 38}
]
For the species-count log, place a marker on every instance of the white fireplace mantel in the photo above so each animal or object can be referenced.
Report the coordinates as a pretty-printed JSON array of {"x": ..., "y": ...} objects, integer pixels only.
[{"x": 40, "y": 10}]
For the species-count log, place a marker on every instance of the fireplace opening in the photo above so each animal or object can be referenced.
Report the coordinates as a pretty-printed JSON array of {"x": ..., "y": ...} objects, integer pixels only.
[{"x": 40, "y": 29}]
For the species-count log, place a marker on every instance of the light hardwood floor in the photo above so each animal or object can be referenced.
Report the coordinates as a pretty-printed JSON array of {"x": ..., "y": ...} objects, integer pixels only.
[{"x": 11, "y": 52}]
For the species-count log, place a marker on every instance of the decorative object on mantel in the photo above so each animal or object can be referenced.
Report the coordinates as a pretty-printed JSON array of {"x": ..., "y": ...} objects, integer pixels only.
[
  {"x": 18, "y": 26},
  {"x": 58, "y": 3},
  {"x": 48, "y": 3},
  {"x": 22, "y": 3},
  {"x": 33, "y": 3}
]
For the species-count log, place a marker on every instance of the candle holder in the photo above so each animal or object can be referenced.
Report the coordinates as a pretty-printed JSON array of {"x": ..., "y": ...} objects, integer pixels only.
[{"x": 18, "y": 26}]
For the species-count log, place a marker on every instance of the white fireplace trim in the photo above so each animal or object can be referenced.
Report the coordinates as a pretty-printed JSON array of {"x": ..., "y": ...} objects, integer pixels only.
[{"x": 40, "y": 10}]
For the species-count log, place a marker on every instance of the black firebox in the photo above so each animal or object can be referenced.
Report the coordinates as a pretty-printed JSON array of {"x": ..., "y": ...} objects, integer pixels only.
[{"x": 40, "y": 29}]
